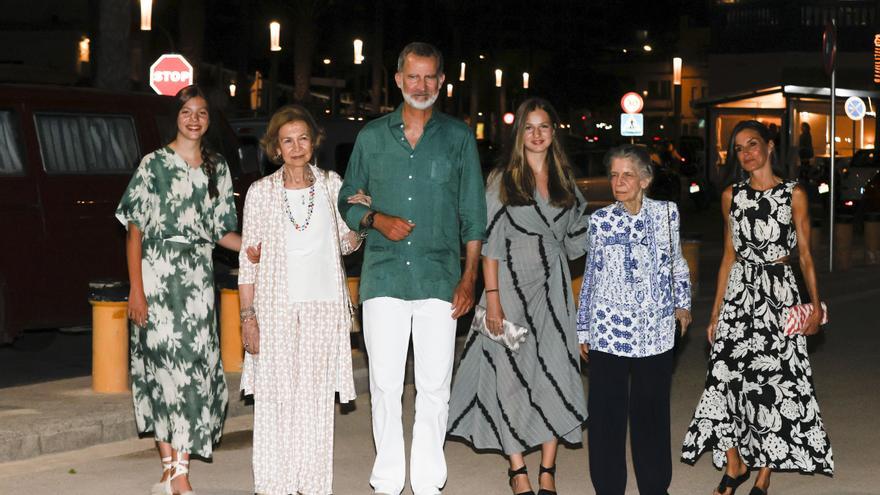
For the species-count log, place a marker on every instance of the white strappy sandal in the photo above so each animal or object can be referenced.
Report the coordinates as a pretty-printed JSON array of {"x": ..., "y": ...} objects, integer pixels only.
[
  {"x": 181, "y": 467},
  {"x": 161, "y": 488}
]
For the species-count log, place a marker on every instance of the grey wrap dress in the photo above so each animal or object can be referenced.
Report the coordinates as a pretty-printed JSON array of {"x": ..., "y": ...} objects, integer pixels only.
[{"x": 512, "y": 401}]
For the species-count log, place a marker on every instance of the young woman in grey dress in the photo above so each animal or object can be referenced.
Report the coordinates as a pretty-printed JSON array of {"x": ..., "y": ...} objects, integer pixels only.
[{"x": 513, "y": 401}]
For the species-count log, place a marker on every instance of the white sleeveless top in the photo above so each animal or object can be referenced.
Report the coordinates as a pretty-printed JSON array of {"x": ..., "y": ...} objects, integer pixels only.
[{"x": 310, "y": 263}]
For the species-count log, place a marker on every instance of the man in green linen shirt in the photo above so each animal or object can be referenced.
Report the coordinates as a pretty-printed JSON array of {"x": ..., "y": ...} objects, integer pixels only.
[{"x": 422, "y": 171}]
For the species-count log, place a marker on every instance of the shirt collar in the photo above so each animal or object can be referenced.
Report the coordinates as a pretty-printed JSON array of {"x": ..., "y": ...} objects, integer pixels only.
[{"x": 395, "y": 118}]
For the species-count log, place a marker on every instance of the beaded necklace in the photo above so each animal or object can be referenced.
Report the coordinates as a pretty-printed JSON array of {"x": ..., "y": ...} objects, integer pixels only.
[{"x": 311, "y": 209}]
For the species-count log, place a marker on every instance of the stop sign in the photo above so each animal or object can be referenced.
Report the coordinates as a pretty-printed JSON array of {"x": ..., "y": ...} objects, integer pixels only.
[{"x": 170, "y": 73}]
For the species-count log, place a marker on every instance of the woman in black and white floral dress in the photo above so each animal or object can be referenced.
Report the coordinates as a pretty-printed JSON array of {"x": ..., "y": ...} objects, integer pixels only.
[{"x": 758, "y": 409}]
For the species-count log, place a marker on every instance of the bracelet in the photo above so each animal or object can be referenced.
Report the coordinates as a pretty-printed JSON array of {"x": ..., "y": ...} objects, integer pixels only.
[
  {"x": 362, "y": 234},
  {"x": 247, "y": 313},
  {"x": 491, "y": 290},
  {"x": 248, "y": 318}
]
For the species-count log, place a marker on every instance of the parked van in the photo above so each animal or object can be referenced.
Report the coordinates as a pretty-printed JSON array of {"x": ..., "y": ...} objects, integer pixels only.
[{"x": 66, "y": 156}]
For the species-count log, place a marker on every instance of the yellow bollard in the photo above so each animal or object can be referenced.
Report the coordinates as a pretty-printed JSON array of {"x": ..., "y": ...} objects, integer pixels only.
[
  {"x": 690, "y": 249},
  {"x": 231, "y": 349},
  {"x": 109, "y": 347},
  {"x": 354, "y": 289}
]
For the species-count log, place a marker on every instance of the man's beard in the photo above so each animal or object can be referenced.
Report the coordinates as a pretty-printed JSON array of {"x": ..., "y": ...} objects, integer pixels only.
[{"x": 420, "y": 104}]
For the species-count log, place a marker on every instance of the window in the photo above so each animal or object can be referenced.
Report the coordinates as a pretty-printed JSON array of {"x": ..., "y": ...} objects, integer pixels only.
[
  {"x": 87, "y": 144},
  {"x": 659, "y": 90},
  {"x": 11, "y": 157}
]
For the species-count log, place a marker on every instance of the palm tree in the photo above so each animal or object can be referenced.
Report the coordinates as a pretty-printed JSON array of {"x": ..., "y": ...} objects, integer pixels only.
[
  {"x": 191, "y": 29},
  {"x": 305, "y": 14},
  {"x": 113, "y": 53}
]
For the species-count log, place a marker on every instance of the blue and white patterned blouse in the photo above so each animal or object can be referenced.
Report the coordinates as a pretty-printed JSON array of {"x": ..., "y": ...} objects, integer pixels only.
[{"x": 626, "y": 306}]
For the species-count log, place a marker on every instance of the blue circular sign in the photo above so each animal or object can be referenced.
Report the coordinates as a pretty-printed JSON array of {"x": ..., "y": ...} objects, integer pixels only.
[{"x": 855, "y": 108}]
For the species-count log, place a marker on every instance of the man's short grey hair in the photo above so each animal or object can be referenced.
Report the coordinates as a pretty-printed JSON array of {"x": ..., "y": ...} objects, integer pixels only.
[
  {"x": 420, "y": 49},
  {"x": 637, "y": 155}
]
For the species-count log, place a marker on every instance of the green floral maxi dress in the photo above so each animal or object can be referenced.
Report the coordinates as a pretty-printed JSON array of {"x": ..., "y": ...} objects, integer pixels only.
[{"x": 177, "y": 381}]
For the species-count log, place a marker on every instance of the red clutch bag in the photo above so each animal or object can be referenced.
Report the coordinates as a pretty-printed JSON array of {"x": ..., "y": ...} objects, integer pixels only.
[{"x": 797, "y": 316}]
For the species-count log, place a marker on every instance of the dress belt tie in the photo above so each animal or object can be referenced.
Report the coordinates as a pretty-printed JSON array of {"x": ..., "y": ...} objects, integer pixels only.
[{"x": 763, "y": 269}]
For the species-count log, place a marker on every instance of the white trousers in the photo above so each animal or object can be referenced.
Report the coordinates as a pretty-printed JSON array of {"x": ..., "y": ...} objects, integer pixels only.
[{"x": 388, "y": 323}]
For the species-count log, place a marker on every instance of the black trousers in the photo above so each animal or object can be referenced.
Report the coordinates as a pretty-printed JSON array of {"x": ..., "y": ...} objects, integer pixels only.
[{"x": 638, "y": 389}]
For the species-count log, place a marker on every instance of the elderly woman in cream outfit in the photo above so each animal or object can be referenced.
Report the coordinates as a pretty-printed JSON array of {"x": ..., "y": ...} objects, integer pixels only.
[{"x": 295, "y": 311}]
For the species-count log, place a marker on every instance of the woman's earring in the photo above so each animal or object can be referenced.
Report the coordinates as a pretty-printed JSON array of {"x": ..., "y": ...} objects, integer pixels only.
[{"x": 278, "y": 157}]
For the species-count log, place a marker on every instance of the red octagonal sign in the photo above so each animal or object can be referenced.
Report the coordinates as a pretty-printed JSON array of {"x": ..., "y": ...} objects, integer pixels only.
[{"x": 170, "y": 73}]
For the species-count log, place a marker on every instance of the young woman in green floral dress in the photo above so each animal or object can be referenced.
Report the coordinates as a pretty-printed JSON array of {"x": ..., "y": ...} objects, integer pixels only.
[{"x": 178, "y": 204}]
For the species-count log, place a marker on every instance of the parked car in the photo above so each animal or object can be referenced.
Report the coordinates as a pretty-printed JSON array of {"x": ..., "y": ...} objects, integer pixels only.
[
  {"x": 66, "y": 156},
  {"x": 590, "y": 174},
  {"x": 853, "y": 176},
  {"x": 871, "y": 197}
]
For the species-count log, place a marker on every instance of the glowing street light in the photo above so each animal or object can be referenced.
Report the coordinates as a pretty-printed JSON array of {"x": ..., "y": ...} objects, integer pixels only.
[
  {"x": 508, "y": 118},
  {"x": 327, "y": 61},
  {"x": 146, "y": 15},
  {"x": 461, "y": 72},
  {"x": 498, "y": 74},
  {"x": 525, "y": 80},
  {"x": 232, "y": 89},
  {"x": 274, "y": 36},
  {"x": 358, "y": 52},
  {"x": 647, "y": 48},
  {"x": 676, "y": 71},
  {"x": 449, "y": 90},
  {"x": 84, "y": 51}
]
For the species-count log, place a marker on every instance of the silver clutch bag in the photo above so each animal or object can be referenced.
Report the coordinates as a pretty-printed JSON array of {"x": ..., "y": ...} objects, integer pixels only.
[{"x": 512, "y": 336}]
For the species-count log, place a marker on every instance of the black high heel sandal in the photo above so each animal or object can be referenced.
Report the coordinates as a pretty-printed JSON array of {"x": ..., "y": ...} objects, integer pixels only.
[
  {"x": 757, "y": 491},
  {"x": 513, "y": 474},
  {"x": 552, "y": 472},
  {"x": 733, "y": 483}
]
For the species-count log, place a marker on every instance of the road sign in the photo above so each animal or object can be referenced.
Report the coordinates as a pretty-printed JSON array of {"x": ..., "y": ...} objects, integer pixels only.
[
  {"x": 632, "y": 124},
  {"x": 855, "y": 108},
  {"x": 170, "y": 73},
  {"x": 829, "y": 47},
  {"x": 632, "y": 103}
]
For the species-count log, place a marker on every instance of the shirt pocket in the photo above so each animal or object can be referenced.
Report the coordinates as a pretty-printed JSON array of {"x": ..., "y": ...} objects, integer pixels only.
[
  {"x": 440, "y": 169},
  {"x": 385, "y": 167}
]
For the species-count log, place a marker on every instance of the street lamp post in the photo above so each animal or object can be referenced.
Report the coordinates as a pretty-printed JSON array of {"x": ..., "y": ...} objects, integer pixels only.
[
  {"x": 676, "y": 91},
  {"x": 274, "y": 52},
  {"x": 502, "y": 103},
  {"x": 358, "y": 60},
  {"x": 146, "y": 15}
]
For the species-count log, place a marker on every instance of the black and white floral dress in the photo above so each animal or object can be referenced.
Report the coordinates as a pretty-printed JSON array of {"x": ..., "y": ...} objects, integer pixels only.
[{"x": 759, "y": 393}]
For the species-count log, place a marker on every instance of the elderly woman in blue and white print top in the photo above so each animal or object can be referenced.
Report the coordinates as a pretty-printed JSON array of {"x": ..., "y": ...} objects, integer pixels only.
[{"x": 636, "y": 284}]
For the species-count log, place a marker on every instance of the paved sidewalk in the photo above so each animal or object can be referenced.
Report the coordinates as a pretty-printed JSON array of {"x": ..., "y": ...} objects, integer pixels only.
[
  {"x": 64, "y": 415},
  {"x": 51, "y": 427}
]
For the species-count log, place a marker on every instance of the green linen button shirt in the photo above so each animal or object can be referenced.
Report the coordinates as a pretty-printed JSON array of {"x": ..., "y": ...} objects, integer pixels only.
[{"x": 438, "y": 185}]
